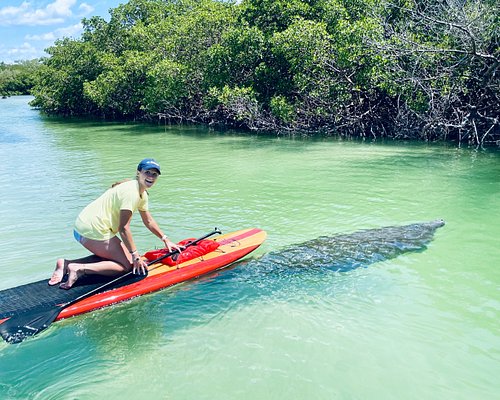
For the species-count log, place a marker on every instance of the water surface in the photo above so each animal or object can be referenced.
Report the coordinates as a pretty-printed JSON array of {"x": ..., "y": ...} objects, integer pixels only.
[{"x": 422, "y": 325}]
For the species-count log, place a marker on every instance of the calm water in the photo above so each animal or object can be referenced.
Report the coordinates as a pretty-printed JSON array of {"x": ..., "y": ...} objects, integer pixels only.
[{"x": 420, "y": 326}]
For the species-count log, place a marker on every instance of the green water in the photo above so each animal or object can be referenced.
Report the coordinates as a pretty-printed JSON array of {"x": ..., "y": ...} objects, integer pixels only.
[{"x": 421, "y": 326}]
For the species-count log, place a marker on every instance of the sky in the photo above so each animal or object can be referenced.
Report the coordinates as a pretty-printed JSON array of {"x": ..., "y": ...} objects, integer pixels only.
[{"x": 27, "y": 27}]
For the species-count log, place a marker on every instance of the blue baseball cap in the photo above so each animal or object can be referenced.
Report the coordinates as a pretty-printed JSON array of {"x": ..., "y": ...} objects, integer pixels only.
[{"x": 148, "y": 163}]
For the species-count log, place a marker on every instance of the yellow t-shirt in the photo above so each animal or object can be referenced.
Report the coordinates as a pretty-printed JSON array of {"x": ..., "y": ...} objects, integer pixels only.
[{"x": 101, "y": 218}]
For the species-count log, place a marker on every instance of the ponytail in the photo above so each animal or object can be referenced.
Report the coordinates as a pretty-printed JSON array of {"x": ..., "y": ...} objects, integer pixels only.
[{"x": 120, "y": 182}]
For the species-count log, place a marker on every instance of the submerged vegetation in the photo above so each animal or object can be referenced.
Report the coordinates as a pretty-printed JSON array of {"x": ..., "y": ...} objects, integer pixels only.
[{"x": 426, "y": 69}]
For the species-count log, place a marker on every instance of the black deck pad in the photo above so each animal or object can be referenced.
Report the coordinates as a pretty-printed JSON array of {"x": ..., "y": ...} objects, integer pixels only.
[{"x": 38, "y": 296}]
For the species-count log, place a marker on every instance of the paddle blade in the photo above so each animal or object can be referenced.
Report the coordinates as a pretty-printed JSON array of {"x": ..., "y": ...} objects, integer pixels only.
[{"x": 20, "y": 327}]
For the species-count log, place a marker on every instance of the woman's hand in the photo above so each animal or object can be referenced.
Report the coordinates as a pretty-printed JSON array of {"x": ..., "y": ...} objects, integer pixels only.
[
  {"x": 140, "y": 266},
  {"x": 171, "y": 246}
]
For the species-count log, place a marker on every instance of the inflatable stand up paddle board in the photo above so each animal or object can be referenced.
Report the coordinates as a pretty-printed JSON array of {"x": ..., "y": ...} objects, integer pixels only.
[{"x": 28, "y": 309}]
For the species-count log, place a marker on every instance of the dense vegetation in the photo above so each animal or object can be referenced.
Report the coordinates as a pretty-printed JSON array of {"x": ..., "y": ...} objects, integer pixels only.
[
  {"x": 17, "y": 78},
  {"x": 424, "y": 69}
]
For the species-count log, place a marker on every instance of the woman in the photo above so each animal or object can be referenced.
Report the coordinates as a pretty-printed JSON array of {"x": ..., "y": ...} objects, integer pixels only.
[{"x": 97, "y": 226}]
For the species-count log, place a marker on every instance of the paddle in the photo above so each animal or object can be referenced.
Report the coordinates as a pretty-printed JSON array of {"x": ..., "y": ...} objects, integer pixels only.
[{"x": 19, "y": 327}]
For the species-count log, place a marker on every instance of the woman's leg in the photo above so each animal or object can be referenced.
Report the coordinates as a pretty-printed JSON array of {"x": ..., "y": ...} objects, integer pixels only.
[
  {"x": 116, "y": 260},
  {"x": 62, "y": 267}
]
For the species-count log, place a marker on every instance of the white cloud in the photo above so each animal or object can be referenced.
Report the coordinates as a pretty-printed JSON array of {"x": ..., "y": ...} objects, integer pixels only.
[
  {"x": 85, "y": 9},
  {"x": 44, "y": 36},
  {"x": 26, "y": 14},
  {"x": 69, "y": 31},
  {"x": 23, "y": 52}
]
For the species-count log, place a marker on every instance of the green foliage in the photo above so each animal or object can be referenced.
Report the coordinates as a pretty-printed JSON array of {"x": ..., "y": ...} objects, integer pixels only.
[
  {"x": 234, "y": 59},
  {"x": 276, "y": 15},
  {"x": 236, "y": 105},
  {"x": 166, "y": 87},
  {"x": 17, "y": 78},
  {"x": 59, "y": 81},
  {"x": 355, "y": 67},
  {"x": 282, "y": 109},
  {"x": 120, "y": 87}
]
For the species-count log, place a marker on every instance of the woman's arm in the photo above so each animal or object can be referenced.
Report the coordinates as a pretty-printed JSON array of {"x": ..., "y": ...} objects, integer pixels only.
[
  {"x": 128, "y": 241},
  {"x": 124, "y": 230},
  {"x": 153, "y": 226}
]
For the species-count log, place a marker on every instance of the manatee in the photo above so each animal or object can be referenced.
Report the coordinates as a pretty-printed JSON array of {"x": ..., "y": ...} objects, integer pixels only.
[{"x": 348, "y": 251}]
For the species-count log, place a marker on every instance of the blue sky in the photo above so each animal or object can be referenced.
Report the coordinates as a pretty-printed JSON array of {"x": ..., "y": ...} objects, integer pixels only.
[{"x": 27, "y": 27}]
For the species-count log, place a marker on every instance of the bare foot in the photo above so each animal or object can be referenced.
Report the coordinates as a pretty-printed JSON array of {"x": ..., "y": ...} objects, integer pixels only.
[
  {"x": 74, "y": 274},
  {"x": 57, "y": 276}
]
